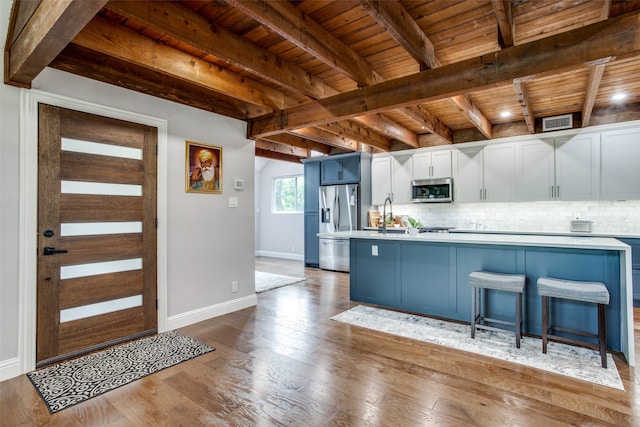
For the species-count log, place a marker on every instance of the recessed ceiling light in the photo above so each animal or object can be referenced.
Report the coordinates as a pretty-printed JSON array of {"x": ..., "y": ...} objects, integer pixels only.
[
  {"x": 618, "y": 96},
  {"x": 505, "y": 114}
]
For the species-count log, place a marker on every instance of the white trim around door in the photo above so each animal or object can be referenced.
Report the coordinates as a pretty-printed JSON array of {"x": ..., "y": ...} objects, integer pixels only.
[{"x": 28, "y": 205}]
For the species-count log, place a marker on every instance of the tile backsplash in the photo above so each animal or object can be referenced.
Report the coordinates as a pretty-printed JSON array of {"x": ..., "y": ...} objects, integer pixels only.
[{"x": 613, "y": 217}]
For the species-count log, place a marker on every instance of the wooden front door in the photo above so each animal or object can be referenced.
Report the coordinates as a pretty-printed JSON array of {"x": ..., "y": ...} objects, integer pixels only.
[{"x": 96, "y": 232}]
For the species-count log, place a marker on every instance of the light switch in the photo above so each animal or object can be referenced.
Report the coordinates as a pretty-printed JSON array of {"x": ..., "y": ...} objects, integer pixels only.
[
  {"x": 374, "y": 250},
  {"x": 233, "y": 202}
]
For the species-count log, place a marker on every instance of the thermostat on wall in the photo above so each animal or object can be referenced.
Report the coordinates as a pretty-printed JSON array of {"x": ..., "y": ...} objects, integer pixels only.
[{"x": 238, "y": 184}]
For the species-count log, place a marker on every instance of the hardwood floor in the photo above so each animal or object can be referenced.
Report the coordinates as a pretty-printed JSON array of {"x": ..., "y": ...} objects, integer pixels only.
[{"x": 285, "y": 363}]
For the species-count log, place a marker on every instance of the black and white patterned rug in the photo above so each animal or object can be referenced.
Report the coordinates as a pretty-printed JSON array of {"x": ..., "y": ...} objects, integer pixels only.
[{"x": 71, "y": 382}]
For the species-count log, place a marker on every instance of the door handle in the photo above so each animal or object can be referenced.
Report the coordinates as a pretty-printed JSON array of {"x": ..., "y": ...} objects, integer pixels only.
[{"x": 48, "y": 250}]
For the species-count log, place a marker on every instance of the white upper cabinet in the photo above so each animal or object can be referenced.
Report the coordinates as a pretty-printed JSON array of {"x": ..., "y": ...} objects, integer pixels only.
[
  {"x": 499, "y": 173},
  {"x": 380, "y": 178},
  {"x": 432, "y": 164},
  {"x": 401, "y": 175},
  {"x": 620, "y": 178},
  {"x": 485, "y": 174},
  {"x": 535, "y": 164},
  {"x": 562, "y": 168},
  {"x": 391, "y": 177},
  {"x": 467, "y": 177},
  {"x": 577, "y": 165}
]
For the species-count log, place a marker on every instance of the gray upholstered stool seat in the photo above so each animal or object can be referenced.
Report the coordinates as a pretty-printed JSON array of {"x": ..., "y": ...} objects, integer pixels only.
[
  {"x": 501, "y": 282},
  {"x": 592, "y": 292}
]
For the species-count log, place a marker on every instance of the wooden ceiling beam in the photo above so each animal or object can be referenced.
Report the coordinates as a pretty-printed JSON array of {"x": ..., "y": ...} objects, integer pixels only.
[
  {"x": 351, "y": 131},
  {"x": 193, "y": 29},
  {"x": 282, "y": 148},
  {"x": 325, "y": 137},
  {"x": 286, "y": 20},
  {"x": 114, "y": 40},
  {"x": 401, "y": 26},
  {"x": 617, "y": 37},
  {"x": 522, "y": 93},
  {"x": 395, "y": 20},
  {"x": 297, "y": 141},
  {"x": 502, "y": 9},
  {"x": 593, "y": 85},
  {"x": 268, "y": 154},
  {"x": 429, "y": 123},
  {"x": 283, "y": 18},
  {"x": 53, "y": 24},
  {"x": 389, "y": 128},
  {"x": 97, "y": 66},
  {"x": 473, "y": 114}
]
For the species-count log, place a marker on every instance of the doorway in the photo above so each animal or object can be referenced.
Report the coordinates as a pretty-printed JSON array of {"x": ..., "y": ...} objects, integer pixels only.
[{"x": 97, "y": 258}]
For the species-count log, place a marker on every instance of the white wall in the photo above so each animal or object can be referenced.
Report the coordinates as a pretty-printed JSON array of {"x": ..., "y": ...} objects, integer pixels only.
[
  {"x": 279, "y": 235},
  {"x": 209, "y": 245}
]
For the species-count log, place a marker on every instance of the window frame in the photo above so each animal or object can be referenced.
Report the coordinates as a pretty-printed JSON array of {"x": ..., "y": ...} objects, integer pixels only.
[{"x": 298, "y": 197}]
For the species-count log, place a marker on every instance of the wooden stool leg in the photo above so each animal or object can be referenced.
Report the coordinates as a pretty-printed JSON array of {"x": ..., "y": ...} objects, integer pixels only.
[
  {"x": 473, "y": 312},
  {"x": 518, "y": 318},
  {"x": 545, "y": 323},
  {"x": 602, "y": 335}
]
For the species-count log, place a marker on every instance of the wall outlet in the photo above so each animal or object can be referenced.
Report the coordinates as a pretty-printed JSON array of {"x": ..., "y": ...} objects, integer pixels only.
[
  {"x": 234, "y": 286},
  {"x": 374, "y": 250}
]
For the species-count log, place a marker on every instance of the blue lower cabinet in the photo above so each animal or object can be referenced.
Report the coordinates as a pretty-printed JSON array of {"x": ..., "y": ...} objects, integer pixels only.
[
  {"x": 635, "y": 261},
  {"x": 432, "y": 279},
  {"x": 311, "y": 241},
  {"x": 428, "y": 282},
  {"x": 374, "y": 273}
]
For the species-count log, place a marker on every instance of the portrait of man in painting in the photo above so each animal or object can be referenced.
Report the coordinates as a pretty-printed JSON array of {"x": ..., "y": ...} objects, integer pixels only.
[{"x": 204, "y": 168}]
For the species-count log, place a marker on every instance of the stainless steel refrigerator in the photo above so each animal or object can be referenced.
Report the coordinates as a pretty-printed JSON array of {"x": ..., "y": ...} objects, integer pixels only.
[{"x": 338, "y": 212}]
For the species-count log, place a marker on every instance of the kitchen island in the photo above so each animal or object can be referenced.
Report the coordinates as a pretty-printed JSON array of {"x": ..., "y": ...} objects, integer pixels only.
[{"x": 427, "y": 273}]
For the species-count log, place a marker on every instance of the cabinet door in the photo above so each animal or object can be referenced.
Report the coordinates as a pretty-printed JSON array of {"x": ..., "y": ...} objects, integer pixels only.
[
  {"x": 576, "y": 167},
  {"x": 311, "y": 186},
  {"x": 499, "y": 173},
  {"x": 620, "y": 165},
  {"x": 311, "y": 240},
  {"x": 401, "y": 167},
  {"x": 467, "y": 180},
  {"x": 380, "y": 179},
  {"x": 350, "y": 169},
  {"x": 441, "y": 164},
  {"x": 535, "y": 178},
  {"x": 421, "y": 165},
  {"x": 344, "y": 170}
]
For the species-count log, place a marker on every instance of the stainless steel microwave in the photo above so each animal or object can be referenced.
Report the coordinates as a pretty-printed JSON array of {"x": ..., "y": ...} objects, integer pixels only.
[{"x": 432, "y": 190}]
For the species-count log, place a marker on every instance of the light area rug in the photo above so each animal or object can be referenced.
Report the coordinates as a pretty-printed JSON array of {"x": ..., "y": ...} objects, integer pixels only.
[
  {"x": 268, "y": 281},
  {"x": 575, "y": 362},
  {"x": 74, "y": 381}
]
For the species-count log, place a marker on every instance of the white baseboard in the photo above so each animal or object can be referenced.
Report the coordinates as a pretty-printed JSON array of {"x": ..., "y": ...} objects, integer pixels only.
[
  {"x": 10, "y": 368},
  {"x": 205, "y": 313},
  {"x": 284, "y": 255}
]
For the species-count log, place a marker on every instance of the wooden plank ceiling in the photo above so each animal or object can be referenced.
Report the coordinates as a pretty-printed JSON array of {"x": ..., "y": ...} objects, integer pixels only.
[{"x": 332, "y": 76}]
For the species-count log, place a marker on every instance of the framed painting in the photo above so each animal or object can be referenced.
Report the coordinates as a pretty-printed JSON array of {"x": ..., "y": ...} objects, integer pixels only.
[{"x": 203, "y": 168}]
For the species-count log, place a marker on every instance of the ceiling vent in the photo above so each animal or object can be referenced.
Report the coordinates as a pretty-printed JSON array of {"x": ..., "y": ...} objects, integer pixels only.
[{"x": 557, "y": 122}]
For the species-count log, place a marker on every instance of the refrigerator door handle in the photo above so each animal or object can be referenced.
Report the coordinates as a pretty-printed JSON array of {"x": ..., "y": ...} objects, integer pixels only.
[{"x": 336, "y": 213}]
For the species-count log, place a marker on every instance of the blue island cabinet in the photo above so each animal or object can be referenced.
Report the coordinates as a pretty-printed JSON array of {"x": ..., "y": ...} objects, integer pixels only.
[{"x": 431, "y": 278}]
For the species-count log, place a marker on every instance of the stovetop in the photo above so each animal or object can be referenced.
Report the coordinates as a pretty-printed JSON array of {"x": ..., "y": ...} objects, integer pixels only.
[{"x": 434, "y": 229}]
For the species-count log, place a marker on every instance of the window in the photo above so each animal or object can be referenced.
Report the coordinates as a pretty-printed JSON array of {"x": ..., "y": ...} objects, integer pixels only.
[{"x": 288, "y": 194}]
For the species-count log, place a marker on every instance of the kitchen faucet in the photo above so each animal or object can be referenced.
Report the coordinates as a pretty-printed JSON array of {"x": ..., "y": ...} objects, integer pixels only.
[{"x": 384, "y": 214}]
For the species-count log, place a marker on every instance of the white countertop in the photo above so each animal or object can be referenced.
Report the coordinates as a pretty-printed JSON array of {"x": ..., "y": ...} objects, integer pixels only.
[
  {"x": 550, "y": 233},
  {"x": 558, "y": 241}
]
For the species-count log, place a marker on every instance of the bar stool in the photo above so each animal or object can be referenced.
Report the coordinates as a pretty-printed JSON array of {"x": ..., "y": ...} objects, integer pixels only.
[
  {"x": 497, "y": 281},
  {"x": 592, "y": 292}
]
